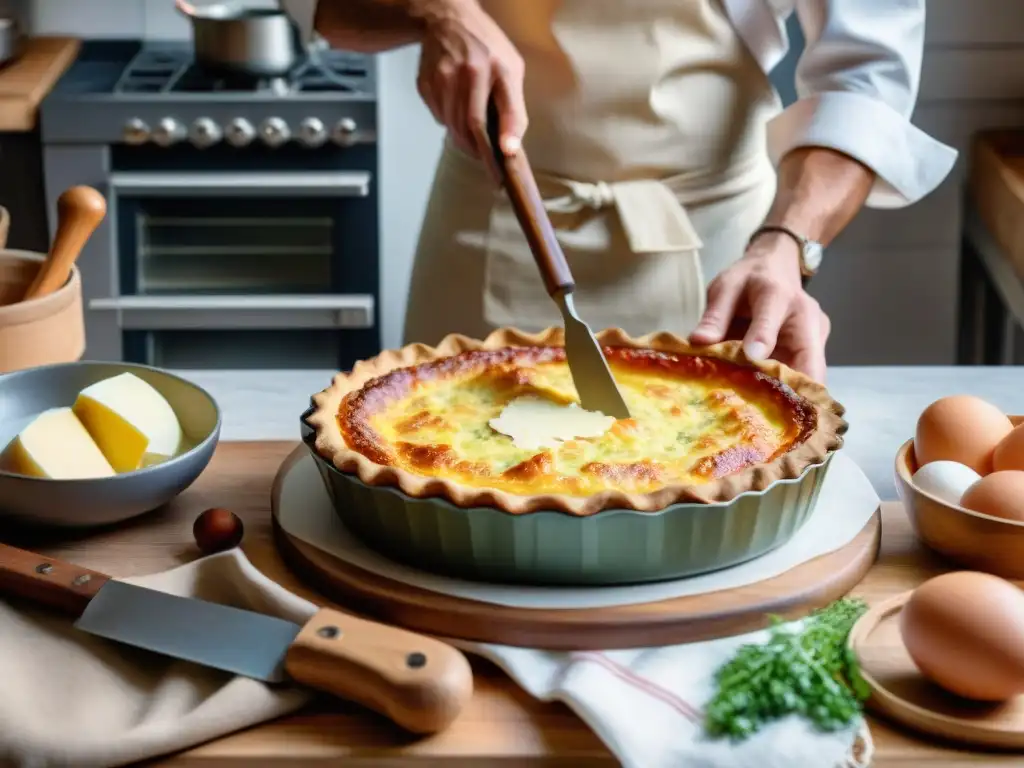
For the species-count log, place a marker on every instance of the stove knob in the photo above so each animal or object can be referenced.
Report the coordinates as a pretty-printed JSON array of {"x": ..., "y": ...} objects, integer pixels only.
[
  {"x": 345, "y": 131},
  {"x": 239, "y": 132},
  {"x": 205, "y": 133},
  {"x": 136, "y": 132},
  {"x": 169, "y": 131},
  {"x": 275, "y": 132},
  {"x": 312, "y": 132}
]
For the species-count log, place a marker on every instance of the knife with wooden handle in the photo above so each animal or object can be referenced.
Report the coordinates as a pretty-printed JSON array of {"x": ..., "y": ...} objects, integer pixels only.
[{"x": 419, "y": 683}]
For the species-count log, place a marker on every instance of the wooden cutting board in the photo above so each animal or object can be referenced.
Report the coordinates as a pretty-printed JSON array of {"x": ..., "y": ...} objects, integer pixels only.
[
  {"x": 503, "y": 726},
  {"x": 26, "y": 81},
  {"x": 687, "y": 619}
]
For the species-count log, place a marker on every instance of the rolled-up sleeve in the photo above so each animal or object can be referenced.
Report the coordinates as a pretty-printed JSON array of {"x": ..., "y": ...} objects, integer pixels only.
[
  {"x": 857, "y": 82},
  {"x": 303, "y": 13}
]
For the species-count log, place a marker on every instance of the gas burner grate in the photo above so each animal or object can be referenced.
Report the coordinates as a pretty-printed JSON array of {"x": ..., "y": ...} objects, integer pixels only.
[
  {"x": 153, "y": 71},
  {"x": 174, "y": 71}
]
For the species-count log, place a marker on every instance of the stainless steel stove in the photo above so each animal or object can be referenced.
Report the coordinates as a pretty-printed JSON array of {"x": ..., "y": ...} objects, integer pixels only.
[{"x": 243, "y": 214}]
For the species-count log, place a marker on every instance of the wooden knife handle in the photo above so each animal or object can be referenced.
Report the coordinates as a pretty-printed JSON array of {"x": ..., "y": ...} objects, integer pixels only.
[
  {"x": 521, "y": 186},
  {"x": 47, "y": 582},
  {"x": 419, "y": 683}
]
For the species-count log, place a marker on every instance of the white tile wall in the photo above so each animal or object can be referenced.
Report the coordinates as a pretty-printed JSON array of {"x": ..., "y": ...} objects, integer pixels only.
[
  {"x": 902, "y": 264},
  {"x": 88, "y": 18}
]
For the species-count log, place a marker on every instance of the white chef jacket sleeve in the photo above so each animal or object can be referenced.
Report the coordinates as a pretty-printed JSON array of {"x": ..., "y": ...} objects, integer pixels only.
[
  {"x": 857, "y": 82},
  {"x": 303, "y": 13}
]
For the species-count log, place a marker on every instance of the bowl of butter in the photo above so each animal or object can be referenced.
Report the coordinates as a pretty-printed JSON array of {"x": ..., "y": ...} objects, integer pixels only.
[{"x": 93, "y": 443}]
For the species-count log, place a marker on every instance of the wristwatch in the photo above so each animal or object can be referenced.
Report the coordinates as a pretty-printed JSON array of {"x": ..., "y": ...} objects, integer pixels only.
[{"x": 811, "y": 251}]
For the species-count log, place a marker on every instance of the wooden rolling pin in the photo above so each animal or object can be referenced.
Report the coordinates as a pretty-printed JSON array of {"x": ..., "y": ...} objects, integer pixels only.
[{"x": 79, "y": 211}]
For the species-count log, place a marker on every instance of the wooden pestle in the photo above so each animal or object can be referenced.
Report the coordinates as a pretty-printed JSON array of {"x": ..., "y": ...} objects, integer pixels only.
[{"x": 79, "y": 211}]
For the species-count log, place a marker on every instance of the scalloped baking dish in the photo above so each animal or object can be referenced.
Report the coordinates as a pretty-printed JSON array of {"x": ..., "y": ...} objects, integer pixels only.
[{"x": 611, "y": 547}]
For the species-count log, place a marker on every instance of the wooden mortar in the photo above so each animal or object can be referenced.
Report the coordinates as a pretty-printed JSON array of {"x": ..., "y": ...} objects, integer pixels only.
[{"x": 43, "y": 331}]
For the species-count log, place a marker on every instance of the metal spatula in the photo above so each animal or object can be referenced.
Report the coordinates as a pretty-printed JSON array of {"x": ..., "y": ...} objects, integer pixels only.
[{"x": 590, "y": 372}]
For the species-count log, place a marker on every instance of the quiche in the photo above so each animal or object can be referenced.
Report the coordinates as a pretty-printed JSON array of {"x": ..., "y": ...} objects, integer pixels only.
[{"x": 497, "y": 423}]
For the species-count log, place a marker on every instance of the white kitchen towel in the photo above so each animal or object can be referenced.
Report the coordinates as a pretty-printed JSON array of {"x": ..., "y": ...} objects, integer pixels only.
[
  {"x": 70, "y": 699},
  {"x": 645, "y": 705}
]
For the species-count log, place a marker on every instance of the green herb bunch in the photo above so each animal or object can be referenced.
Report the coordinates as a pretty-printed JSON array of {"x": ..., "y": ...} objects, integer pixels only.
[{"x": 807, "y": 670}]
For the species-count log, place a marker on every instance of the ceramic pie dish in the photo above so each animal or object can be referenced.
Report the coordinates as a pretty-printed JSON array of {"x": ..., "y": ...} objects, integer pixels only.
[{"x": 721, "y": 461}]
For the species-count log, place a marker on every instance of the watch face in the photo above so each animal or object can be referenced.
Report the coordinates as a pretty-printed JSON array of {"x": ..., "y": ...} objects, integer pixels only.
[{"x": 813, "y": 253}]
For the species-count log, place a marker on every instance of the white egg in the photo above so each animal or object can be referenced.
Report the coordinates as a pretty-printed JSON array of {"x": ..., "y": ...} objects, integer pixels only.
[{"x": 946, "y": 480}]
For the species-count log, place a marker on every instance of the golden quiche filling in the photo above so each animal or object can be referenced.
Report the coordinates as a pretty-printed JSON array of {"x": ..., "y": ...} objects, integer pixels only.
[{"x": 507, "y": 420}]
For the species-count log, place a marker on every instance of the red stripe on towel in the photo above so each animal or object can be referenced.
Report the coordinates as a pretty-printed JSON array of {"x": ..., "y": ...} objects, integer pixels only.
[{"x": 627, "y": 675}]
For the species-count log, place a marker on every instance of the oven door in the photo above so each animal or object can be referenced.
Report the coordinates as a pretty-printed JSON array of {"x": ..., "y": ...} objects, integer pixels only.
[{"x": 245, "y": 269}]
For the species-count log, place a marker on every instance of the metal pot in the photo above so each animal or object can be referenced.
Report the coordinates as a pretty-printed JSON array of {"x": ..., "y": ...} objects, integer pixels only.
[
  {"x": 10, "y": 40},
  {"x": 248, "y": 42}
]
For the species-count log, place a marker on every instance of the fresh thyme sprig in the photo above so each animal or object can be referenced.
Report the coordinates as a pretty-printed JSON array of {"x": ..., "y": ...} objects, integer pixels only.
[{"x": 806, "y": 670}]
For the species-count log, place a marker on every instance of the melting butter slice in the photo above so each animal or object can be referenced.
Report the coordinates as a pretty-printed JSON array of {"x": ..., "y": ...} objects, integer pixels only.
[
  {"x": 56, "y": 446},
  {"x": 533, "y": 422},
  {"x": 131, "y": 422}
]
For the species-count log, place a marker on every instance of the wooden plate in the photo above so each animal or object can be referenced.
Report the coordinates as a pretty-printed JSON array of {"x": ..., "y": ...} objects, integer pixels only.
[
  {"x": 666, "y": 622},
  {"x": 899, "y": 691}
]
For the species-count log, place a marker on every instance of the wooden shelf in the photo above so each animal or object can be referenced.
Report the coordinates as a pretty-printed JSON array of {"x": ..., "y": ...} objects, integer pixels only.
[{"x": 26, "y": 81}]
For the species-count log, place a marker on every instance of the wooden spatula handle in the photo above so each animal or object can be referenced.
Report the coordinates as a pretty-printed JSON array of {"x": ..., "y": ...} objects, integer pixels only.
[
  {"x": 79, "y": 211},
  {"x": 419, "y": 683},
  {"x": 47, "y": 582},
  {"x": 519, "y": 182}
]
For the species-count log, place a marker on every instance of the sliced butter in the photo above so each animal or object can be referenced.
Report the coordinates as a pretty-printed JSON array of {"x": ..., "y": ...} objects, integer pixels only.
[
  {"x": 533, "y": 422},
  {"x": 56, "y": 446},
  {"x": 131, "y": 422}
]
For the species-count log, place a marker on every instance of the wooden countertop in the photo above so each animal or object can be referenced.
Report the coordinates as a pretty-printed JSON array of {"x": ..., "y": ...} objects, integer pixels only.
[
  {"x": 996, "y": 185},
  {"x": 503, "y": 726},
  {"x": 25, "y": 82}
]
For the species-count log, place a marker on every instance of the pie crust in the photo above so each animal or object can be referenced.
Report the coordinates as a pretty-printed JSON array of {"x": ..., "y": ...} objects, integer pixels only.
[{"x": 820, "y": 432}]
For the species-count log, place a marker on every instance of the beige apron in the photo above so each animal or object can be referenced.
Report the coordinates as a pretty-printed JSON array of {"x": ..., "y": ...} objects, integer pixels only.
[{"x": 647, "y": 133}]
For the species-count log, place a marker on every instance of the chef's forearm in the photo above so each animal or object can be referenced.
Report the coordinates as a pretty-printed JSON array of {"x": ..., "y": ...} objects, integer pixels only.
[
  {"x": 371, "y": 26},
  {"x": 819, "y": 192}
]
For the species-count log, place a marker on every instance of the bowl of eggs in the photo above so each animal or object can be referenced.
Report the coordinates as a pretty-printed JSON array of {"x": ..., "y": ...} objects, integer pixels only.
[
  {"x": 961, "y": 481},
  {"x": 94, "y": 443}
]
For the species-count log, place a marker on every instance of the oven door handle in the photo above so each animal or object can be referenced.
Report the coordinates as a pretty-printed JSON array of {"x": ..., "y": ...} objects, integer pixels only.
[
  {"x": 276, "y": 184},
  {"x": 165, "y": 313}
]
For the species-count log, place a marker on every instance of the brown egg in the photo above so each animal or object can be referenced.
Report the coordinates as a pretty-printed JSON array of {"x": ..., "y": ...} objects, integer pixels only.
[
  {"x": 1009, "y": 453},
  {"x": 965, "y": 632},
  {"x": 960, "y": 428},
  {"x": 1000, "y": 494}
]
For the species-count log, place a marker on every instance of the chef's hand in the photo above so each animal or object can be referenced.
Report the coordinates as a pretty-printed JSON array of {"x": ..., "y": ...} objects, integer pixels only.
[
  {"x": 760, "y": 299},
  {"x": 466, "y": 57}
]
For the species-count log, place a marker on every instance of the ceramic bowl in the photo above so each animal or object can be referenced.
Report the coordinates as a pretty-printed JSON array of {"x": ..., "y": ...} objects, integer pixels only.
[
  {"x": 100, "y": 501},
  {"x": 970, "y": 539},
  {"x": 43, "y": 331}
]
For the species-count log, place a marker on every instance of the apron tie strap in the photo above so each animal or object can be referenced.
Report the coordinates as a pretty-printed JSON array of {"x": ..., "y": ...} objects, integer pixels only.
[
  {"x": 652, "y": 217},
  {"x": 582, "y": 194}
]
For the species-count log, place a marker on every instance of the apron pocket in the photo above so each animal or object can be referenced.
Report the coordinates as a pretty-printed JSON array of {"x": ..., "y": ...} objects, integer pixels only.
[{"x": 615, "y": 287}]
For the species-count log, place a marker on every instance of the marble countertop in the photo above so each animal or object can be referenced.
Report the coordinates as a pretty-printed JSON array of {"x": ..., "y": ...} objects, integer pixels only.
[{"x": 882, "y": 404}]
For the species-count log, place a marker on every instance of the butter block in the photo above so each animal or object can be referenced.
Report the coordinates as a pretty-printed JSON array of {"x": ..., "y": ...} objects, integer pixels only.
[
  {"x": 56, "y": 446},
  {"x": 132, "y": 423},
  {"x": 533, "y": 422}
]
